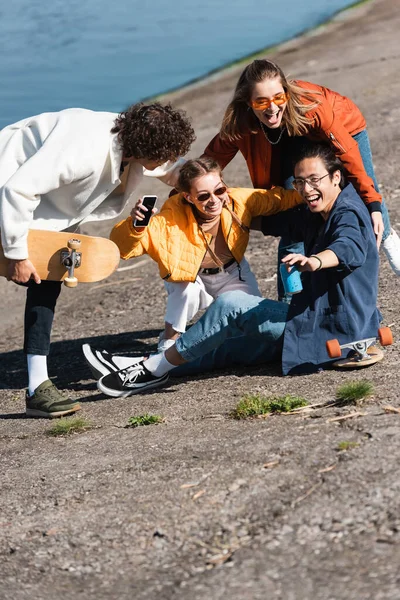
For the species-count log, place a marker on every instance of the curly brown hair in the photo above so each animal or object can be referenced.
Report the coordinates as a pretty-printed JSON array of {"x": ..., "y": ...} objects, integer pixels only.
[{"x": 154, "y": 132}]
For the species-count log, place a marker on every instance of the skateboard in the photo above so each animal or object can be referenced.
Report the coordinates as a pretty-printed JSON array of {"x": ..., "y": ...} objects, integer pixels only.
[
  {"x": 363, "y": 352},
  {"x": 69, "y": 257}
]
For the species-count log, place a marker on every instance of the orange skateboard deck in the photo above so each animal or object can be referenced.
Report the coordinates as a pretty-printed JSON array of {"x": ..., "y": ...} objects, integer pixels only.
[{"x": 69, "y": 257}]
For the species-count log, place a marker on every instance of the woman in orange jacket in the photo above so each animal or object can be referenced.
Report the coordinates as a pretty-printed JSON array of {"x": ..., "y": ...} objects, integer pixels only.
[
  {"x": 267, "y": 113},
  {"x": 198, "y": 240}
]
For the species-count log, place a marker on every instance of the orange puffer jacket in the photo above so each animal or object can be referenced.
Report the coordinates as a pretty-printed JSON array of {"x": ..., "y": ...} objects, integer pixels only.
[
  {"x": 175, "y": 240},
  {"x": 335, "y": 120}
]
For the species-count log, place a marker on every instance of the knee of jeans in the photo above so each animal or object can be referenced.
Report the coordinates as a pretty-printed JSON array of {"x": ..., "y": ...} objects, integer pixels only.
[{"x": 233, "y": 300}]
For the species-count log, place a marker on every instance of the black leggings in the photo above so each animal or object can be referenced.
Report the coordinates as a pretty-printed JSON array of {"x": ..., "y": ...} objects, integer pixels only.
[{"x": 40, "y": 304}]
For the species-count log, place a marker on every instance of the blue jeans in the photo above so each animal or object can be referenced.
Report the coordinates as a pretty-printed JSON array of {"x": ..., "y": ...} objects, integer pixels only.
[
  {"x": 286, "y": 246},
  {"x": 237, "y": 329},
  {"x": 364, "y": 147}
]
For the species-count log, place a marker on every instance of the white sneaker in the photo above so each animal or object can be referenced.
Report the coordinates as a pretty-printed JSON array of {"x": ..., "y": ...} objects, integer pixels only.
[{"x": 391, "y": 247}]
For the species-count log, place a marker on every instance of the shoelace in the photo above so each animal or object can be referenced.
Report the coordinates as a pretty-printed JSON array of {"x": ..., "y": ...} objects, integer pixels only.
[{"x": 131, "y": 374}]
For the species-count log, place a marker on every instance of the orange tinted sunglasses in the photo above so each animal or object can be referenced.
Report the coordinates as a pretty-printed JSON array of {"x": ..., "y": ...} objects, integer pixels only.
[{"x": 264, "y": 103}]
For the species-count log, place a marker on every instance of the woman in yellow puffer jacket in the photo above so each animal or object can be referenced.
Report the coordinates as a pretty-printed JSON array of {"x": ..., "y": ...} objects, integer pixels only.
[{"x": 198, "y": 240}]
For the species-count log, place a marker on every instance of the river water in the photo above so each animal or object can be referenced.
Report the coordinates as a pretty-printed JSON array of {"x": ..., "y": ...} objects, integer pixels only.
[{"x": 106, "y": 55}]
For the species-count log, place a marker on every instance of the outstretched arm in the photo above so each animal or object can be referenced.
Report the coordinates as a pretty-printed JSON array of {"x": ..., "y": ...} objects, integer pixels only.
[
  {"x": 323, "y": 260},
  {"x": 346, "y": 148}
]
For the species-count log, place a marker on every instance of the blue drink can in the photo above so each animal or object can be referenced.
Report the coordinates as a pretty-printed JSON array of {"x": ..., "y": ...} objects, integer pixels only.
[{"x": 291, "y": 279}]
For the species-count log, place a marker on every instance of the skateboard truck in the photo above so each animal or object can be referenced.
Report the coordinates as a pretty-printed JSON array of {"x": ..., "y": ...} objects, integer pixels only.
[
  {"x": 71, "y": 259},
  {"x": 364, "y": 351}
]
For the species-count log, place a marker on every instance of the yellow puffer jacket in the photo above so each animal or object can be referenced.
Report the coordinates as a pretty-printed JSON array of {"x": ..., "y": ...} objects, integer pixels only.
[{"x": 176, "y": 242}]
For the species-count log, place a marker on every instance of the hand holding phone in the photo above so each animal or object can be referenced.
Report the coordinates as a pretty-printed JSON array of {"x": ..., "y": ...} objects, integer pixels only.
[{"x": 143, "y": 211}]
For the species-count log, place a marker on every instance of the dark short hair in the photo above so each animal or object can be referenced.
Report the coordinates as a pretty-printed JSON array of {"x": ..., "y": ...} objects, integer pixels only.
[
  {"x": 306, "y": 149},
  {"x": 195, "y": 168},
  {"x": 154, "y": 132}
]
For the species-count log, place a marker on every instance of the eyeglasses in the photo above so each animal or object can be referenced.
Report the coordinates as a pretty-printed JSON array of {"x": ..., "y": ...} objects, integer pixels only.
[
  {"x": 203, "y": 197},
  {"x": 299, "y": 183},
  {"x": 264, "y": 103}
]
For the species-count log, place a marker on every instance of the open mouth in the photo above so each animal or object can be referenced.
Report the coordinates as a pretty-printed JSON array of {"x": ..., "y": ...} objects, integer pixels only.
[
  {"x": 312, "y": 200},
  {"x": 272, "y": 118}
]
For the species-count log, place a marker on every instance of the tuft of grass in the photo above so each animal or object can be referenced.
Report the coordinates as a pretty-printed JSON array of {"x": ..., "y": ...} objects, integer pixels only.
[
  {"x": 353, "y": 392},
  {"x": 67, "y": 426},
  {"x": 142, "y": 420},
  {"x": 343, "y": 446},
  {"x": 252, "y": 405}
]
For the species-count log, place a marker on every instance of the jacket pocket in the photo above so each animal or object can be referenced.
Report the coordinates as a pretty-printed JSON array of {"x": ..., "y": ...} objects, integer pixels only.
[
  {"x": 334, "y": 320},
  {"x": 316, "y": 328}
]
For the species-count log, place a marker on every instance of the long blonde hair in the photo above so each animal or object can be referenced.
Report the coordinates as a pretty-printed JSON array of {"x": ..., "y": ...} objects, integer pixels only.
[{"x": 239, "y": 117}]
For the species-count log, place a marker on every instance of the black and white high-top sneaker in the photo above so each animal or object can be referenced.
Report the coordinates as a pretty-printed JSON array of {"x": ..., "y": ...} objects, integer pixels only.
[{"x": 132, "y": 380}]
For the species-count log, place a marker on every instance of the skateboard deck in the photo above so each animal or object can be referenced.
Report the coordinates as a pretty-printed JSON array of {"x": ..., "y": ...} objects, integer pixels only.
[
  {"x": 69, "y": 257},
  {"x": 362, "y": 352},
  {"x": 354, "y": 362}
]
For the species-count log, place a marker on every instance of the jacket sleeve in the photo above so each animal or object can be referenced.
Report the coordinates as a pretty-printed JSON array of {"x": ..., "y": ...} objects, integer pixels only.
[
  {"x": 347, "y": 240},
  {"x": 223, "y": 151},
  {"x": 269, "y": 202},
  {"x": 328, "y": 126},
  {"x": 51, "y": 167},
  {"x": 131, "y": 242}
]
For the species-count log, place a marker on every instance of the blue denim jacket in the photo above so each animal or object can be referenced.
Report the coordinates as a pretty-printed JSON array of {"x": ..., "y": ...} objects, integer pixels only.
[{"x": 339, "y": 302}]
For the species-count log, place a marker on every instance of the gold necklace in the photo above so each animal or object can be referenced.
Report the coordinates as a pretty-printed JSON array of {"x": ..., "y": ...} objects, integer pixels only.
[{"x": 266, "y": 136}]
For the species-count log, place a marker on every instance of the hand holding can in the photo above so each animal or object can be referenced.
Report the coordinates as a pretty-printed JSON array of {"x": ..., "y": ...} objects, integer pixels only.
[{"x": 291, "y": 279}]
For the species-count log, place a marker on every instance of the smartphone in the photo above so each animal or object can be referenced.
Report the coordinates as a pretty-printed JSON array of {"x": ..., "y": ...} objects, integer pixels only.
[{"x": 149, "y": 202}]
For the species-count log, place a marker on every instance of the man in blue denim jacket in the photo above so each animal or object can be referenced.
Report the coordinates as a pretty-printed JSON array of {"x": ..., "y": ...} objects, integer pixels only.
[{"x": 336, "y": 302}]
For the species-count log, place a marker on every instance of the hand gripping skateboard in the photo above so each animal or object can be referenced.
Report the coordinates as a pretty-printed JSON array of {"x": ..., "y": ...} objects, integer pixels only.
[
  {"x": 62, "y": 256},
  {"x": 364, "y": 352}
]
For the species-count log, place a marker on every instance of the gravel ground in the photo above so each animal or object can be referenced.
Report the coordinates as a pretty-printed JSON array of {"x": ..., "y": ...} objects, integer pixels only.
[{"x": 203, "y": 506}]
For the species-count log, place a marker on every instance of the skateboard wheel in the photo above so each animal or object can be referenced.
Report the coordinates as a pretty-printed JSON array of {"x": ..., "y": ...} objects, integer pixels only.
[
  {"x": 74, "y": 244},
  {"x": 385, "y": 336},
  {"x": 333, "y": 348},
  {"x": 70, "y": 282}
]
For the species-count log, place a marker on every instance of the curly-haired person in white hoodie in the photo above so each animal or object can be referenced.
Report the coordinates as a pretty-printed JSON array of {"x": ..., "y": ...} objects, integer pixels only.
[{"x": 59, "y": 169}]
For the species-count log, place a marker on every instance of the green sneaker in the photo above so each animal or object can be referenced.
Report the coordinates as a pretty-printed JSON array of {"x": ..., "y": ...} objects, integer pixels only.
[{"x": 48, "y": 402}]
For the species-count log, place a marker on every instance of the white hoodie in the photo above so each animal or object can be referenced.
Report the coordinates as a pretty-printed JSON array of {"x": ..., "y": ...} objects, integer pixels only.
[{"x": 58, "y": 169}]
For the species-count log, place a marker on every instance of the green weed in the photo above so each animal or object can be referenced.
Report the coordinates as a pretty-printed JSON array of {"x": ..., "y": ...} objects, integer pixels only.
[
  {"x": 343, "y": 446},
  {"x": 353, "y": 392},
  {"x": 142, "y": 420},
  {"x": 67, "y": 426},
  {"x": 252, "y": 405}
]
